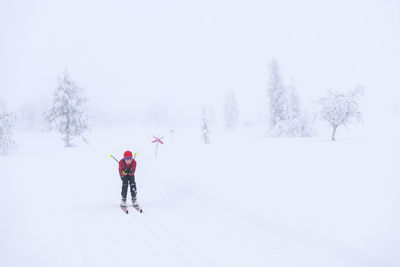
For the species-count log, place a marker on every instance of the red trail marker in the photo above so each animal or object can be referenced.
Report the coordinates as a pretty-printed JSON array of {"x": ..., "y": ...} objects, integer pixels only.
[{"x": 157, "y": 140}]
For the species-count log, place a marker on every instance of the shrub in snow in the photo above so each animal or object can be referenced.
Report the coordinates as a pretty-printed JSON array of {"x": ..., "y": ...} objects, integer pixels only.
[
  {"x": 341, "y": 109},
  {"x": 303, "y": 124},
  {"x": 7, "y": 143},
  {"x": 298, "y": 126},
  {"x": 231, "y": 112},
  {"x": 67, "y": 115}
]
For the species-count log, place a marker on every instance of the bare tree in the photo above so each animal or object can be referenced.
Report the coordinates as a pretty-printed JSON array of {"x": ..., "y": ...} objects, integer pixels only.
[
  {"x": 67, "y": 115},
  {"x": 340, "y": 109}
]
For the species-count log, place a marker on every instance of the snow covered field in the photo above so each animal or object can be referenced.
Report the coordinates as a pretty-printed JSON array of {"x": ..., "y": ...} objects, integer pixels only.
[{"x": 243, "y": 200}]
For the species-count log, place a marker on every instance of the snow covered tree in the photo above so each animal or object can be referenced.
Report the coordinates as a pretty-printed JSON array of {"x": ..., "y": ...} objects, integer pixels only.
[
  {"x": 286, "y": 116},
  {"x": 231, "y": 113},
  {"x": 293, "y": 101},
  {"x": 276, "y": 95},
  {"x": 204, "y": 128},
  {"x": 341, "y": 109},
  {"x": 67, "y": 115},
  {"x": 7, "y": 122}
]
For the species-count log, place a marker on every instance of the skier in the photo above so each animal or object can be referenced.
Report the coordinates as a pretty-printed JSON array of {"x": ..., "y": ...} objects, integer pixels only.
[{"x": 127, "y": 167}]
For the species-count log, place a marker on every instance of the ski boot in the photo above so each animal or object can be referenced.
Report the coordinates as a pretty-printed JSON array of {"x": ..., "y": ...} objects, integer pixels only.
[
  {"x": 134, "y": 203},
  {"x": 123, "y": 202}
]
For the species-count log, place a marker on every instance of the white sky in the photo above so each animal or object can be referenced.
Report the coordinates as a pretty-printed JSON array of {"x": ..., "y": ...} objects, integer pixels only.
[{"x": 182, "y": 54}]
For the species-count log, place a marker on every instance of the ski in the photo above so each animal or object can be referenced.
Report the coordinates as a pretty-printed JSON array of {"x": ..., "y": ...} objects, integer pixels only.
[
  {"x": 138, "y": 208},
  {"x": 124, "y": 209}
]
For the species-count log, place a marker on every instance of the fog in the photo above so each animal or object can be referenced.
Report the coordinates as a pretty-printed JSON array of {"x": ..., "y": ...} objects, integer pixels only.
[
  {"x": 134, "y": 57},
  {"x": 152, "y": 68}
]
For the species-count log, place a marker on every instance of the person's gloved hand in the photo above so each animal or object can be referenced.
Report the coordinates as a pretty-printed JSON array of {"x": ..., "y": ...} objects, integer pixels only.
[{"x": 127, "y": 171}]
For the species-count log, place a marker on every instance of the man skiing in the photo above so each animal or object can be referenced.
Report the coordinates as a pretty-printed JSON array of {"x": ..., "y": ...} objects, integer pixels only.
[{"x": 127, "y": 167}]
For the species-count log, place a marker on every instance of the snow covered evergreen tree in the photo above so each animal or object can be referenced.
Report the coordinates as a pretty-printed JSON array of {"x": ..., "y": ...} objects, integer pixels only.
[
  {"x": 276, "y": 95},
  {"x": 231, "y": 112},
  {"x": 286, "y": 117},
  {"x": 204, "y": 128},
  {"x": 7, "y": 122},
  {"x": 340, "y": 109},
  {"x": 293, "y": 101},
  {"x": 67, "y": 115}
]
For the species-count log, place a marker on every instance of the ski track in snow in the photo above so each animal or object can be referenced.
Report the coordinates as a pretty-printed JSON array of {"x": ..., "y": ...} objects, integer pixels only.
[{"x": 259, "y": 202}]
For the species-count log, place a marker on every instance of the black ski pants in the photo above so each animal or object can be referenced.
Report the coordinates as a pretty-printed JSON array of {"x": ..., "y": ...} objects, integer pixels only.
[{"x": 128, "y": 180}]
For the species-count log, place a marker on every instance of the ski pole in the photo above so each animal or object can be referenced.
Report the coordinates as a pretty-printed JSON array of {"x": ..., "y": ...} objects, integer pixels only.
[{"x": 114, "y": 158}]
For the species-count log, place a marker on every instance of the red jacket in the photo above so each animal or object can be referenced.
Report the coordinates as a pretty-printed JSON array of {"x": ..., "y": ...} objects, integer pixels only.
[{"x": 123, "y": 166}]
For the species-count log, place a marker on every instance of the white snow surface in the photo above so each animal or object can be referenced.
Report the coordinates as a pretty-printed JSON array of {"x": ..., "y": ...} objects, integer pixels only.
[{"x": 243, "y": 200}]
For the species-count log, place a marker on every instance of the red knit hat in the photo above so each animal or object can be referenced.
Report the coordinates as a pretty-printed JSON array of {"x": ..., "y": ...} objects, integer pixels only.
[{"x": 127, "y": 155}]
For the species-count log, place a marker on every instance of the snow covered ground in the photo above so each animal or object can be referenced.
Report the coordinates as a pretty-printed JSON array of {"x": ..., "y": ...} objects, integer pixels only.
[{"x": 243, "y": 200}]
